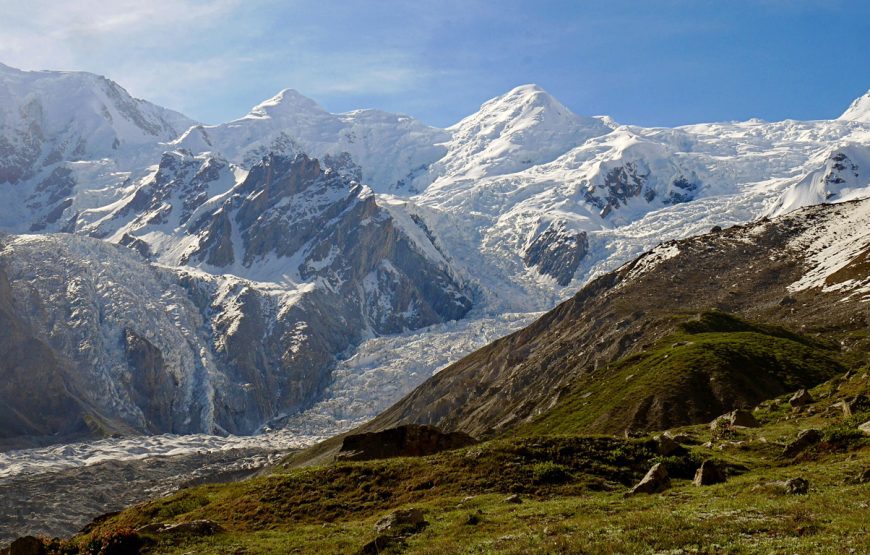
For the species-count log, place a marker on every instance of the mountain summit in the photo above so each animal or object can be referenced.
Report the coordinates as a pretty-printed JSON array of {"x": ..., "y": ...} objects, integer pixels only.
[
  {"x": 859, "y": 110},
  {"x": 287, "y": 101},
  {"x": 514, "y": 131}
]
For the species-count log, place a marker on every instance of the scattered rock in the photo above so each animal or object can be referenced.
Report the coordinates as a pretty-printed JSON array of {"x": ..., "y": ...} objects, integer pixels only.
[
  {"x": 193, "y": 528},
  {"x": 682, "y": 439},
  {"x": 666, "y": 446},
  {"x": 655, "y": 481},
  {"x": 402, "y": 522},
  {"x": 801, "y": 398},
  {"x": 793, "y": 486},
  {"x": 737, "y": 417},
  {"x": 28, "y": 545},
  {"x": 381, "y": 544},
  {"x": 797, "y": 486},
  {"x": 403, "y": 441},
  {"x": 709, "y": 473},
  {"x": 515, "y": 499},
  {"x": 804, "y": 440},
  {"x": 852, "y": 405}
]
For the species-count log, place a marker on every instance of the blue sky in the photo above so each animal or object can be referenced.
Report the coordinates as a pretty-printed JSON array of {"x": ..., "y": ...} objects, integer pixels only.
[{"x": 653, "y": 62}]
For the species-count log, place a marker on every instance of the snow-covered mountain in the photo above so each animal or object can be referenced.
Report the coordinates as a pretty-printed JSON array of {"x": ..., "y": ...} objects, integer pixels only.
[
  {"x": 69, "y": 140},
  {"x": 387, "y": 150},
  {"x": 99, "y": 341},
  {"x": 293, "y": 222}
]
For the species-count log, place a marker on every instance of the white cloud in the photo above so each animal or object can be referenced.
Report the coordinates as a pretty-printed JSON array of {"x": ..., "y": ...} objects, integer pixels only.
[
  {"x": 42, "y": 34},
  {"x": 186, "y": 53}
]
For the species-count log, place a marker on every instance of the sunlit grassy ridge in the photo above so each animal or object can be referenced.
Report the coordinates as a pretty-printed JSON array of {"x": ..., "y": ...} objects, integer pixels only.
[{"x": 709, "y": 365}]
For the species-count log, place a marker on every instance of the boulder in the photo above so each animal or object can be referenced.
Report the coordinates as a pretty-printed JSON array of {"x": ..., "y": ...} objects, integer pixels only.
[
  {"x": 797, "y": 486},
  {"x": 709, "y": 473},
  {"x": 401, "y": 522},
  {"x": 805, "y": 439},
  {"x": 655, "y": 481},
  {"x": 403, "y": 441},
  {"x": 514, "y": 499},
  {"x": 865, "y": 428},
  {"x": 666, "y": 446},
  {"x": 28, "y": 545},
  {"x": 801, "y": 398},
  {"x": 382, "y": 544},
  {"x": 792, "y": 486},
  {"x": 853, "y": 405},
  {"x": 737, "y": 417}
]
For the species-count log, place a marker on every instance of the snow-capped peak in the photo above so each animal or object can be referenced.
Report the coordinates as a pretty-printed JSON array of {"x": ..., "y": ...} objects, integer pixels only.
[
  {"x": 522, "y": 106},
  {"x": 524, "y": 127},
  {"x": 286, "y": 102},
  {"x": 859, "y": 110}
]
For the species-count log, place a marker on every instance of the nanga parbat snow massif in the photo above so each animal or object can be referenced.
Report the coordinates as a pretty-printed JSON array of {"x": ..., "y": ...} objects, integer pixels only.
[{"x": 158, "y": 275}]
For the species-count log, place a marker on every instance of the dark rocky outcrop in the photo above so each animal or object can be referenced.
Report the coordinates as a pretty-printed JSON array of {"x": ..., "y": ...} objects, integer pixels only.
[
  {"x": 805, "y": 439},
  {"x": 800, "y": 398},
  {"x": 557, "y": 252},
  {"x": 709, "y": 473},
  {"x": 27, "y": 545},
  {"x": 737, "y": 417},
  {"x": 401, "y": 521},
  {"x": 153, "y": 387},
  {"x": 403, "y": 441},
  {"x": 666, "y": 446},
  {"x": 796, "y": 486},
  {"x": 392, "y": 531},
  {"x": 35, "y": 397},
  {"x": 855, "y": 404}
]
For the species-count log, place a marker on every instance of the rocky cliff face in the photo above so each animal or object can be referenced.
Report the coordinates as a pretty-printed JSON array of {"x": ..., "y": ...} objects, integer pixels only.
[
  {"x": 36, "y": 399},
  {"x": 292, "y": 222},
  {"x": 158, "y": 349}
]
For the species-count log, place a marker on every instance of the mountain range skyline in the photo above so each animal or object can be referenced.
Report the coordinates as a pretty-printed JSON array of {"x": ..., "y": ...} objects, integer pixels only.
[{"x": 662, "y": 64}]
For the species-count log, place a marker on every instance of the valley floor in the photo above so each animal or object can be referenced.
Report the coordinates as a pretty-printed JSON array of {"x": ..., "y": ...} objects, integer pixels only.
[{"x": 572, "y": 492}]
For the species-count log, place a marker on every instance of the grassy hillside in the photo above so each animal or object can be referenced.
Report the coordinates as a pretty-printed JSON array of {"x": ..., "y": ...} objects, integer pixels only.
[
  {"x": 713, "y": 363},
  {"x": 572, "y": 487}
]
